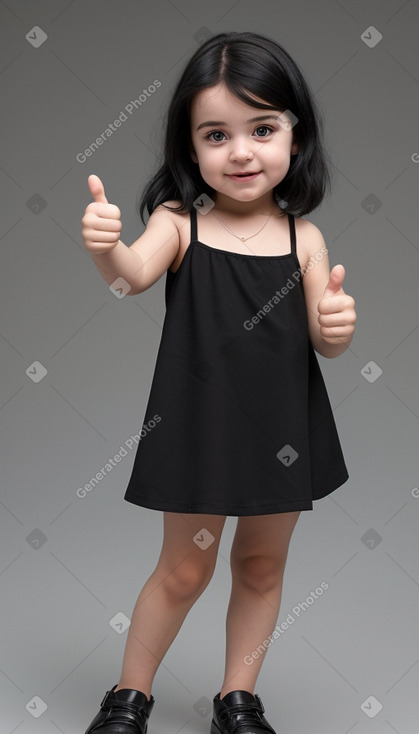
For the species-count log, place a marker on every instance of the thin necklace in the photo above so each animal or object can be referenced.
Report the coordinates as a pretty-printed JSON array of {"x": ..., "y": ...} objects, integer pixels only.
[{"x": 243, "y": 239}]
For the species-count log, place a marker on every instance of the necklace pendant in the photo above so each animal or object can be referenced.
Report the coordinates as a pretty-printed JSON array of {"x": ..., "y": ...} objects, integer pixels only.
[{"x": 243, "y": 239}]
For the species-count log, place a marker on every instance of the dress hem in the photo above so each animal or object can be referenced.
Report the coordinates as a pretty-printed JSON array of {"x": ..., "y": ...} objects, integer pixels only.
[
  {"x": 153, "y": 504},
  {"x": 325, "y": 490},
  {"x": 207, "y": 510}
]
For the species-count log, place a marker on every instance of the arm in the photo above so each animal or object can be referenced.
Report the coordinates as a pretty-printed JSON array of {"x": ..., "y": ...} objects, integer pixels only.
[
  {"x": 121, "y": 261},
  {"x": 142, "y": 264},
  {"x": 330, "y": 311},
  {"x": 147, "y": 259}
]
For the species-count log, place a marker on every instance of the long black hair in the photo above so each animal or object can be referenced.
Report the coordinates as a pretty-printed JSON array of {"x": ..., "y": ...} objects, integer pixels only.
[{"x": 247, "y": 63}]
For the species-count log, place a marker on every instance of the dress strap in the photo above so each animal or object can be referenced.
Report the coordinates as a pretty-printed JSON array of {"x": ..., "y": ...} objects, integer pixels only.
[
  {"x": 194, "y": 233},
  {"x": 291, "y": 221}
]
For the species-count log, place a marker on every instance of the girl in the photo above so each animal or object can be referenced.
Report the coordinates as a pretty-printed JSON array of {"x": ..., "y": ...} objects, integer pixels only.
[{"x": 238, "y": 420}]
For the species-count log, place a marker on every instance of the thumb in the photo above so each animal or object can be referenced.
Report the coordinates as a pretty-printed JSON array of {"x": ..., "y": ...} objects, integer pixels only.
[
  {"x": 96, "y": 189},
  {"x": 334, "y": 285}
]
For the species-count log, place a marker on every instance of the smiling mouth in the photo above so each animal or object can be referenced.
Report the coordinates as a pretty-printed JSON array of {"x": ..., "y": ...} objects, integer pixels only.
[{"x": 244, "y": 175}]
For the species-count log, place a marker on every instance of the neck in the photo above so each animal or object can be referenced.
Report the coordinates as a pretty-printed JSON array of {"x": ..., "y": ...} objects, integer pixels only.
[{"x": 226, "y": 205}]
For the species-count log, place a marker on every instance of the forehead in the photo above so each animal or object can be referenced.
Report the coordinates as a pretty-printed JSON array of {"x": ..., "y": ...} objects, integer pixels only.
[{"x": 218, "y": 99}]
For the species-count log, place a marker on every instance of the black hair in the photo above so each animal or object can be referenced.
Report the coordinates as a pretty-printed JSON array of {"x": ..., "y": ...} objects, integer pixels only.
[{"x": 248, "y": 64}]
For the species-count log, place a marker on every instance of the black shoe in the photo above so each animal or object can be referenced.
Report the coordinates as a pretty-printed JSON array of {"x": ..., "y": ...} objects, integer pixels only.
[
  {"x": 124, "y": 712},
  {"x": 239, "y": 712}
]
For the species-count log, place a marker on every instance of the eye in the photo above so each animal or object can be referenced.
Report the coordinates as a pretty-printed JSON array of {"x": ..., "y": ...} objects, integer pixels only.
[
  {"x": 214, "y": 132},
  {"x": 264, "y": 127},
  {"x": 267, "y": 128}
]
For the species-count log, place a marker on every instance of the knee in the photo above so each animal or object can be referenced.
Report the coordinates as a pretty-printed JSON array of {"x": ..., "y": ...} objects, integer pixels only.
[
  {"x": 187, "y": 580},
  {"x": 260, "y": 573}
]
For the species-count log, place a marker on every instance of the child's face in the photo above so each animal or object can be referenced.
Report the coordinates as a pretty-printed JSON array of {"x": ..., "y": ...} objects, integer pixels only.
[{"x": 237, "y": 145}]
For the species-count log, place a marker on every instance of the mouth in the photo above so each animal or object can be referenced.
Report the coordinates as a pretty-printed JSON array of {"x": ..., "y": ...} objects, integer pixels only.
[{"x": 243, "y": 175}]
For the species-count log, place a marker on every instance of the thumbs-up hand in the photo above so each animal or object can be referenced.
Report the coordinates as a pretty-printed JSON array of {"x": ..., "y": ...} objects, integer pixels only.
[
  {"x": 101, "y": 223},
  {"x": 337, "y": 314}
]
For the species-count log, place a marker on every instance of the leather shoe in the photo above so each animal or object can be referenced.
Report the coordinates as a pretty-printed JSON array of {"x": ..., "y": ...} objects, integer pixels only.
[
  {"x": 239, "y": 712},
  {"x": 122, "y": 712}
]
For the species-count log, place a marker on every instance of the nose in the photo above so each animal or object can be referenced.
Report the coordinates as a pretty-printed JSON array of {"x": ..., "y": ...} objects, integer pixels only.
[{"x": 241, "y": 149}]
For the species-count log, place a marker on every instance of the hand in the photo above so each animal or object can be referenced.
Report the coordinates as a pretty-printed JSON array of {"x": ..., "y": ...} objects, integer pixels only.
[
  {"x": 101, "y": 224},
  {"x": 337, "y": 314}
]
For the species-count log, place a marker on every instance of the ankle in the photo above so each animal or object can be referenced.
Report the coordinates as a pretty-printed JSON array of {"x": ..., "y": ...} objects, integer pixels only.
[
  {"x": 146, "y": 691},
  {"x": 228, "y": 689}
]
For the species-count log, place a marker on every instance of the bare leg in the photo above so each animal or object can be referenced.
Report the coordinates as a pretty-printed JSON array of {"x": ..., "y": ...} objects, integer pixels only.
[
  {"x": 258, "y": 557},
  {"x": 182, "y": 573}
]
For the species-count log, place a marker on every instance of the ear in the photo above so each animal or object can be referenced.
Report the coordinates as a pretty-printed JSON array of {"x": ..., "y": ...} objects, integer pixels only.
[
  {"x": 193, "y": 155},
  {"x": 294, "y": 149}
]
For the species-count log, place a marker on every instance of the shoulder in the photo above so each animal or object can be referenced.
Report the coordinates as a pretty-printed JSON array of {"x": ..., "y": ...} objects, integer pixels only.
[
  {"x": 310, "y": 240},
  {"x": 172, "y": 210},
  {"x": 307, "y": 230}
]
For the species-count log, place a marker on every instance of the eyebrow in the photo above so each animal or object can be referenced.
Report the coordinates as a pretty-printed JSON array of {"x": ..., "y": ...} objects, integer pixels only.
[{"x": 210, "y": 123}]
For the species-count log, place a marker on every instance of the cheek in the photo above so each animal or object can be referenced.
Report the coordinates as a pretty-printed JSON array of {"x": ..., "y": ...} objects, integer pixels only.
[
  {"x": 209, "y": 160},
  {"x": 278, "y": 157}
]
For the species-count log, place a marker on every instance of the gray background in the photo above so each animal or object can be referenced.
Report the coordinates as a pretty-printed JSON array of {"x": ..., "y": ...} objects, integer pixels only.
[{"x": 69, "y": 564}]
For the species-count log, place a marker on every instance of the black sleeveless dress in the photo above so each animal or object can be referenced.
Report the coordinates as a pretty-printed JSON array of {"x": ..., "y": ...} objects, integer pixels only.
[{"x": 238, "y": 420}]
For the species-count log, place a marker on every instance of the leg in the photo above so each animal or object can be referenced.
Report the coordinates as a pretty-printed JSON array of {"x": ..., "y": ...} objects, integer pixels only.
[
  {"x": 258, "y": 556},
  {"x": 182, "y": 573}
]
